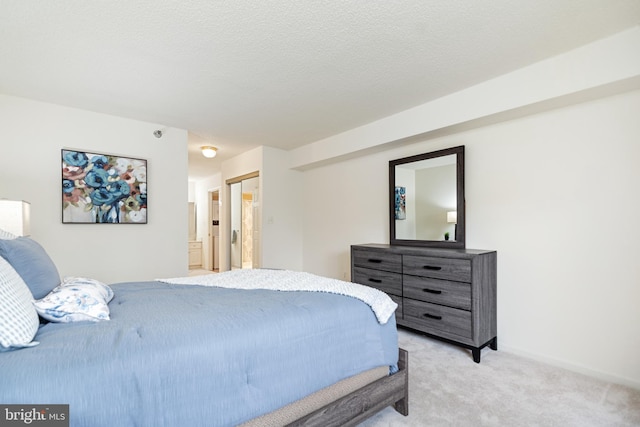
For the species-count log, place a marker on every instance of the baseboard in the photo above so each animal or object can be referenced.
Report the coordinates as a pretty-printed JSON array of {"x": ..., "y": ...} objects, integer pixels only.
[{"x": 610, "y": 378}]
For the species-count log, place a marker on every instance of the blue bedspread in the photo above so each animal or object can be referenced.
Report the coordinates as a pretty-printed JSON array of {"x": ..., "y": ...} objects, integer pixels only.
[{"x": 175, "y": 355}]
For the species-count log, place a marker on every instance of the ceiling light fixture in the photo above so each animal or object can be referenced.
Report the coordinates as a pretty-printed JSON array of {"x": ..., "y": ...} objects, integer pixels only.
[{"x": 208, "y": 151}]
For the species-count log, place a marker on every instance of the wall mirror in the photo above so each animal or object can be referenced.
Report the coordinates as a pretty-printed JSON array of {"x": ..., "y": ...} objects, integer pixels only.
[{"x": 426, "y": 199}]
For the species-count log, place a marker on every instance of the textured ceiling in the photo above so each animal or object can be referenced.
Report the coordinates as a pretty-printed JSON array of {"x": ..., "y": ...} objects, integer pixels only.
[{"x": 243, "y": 73}]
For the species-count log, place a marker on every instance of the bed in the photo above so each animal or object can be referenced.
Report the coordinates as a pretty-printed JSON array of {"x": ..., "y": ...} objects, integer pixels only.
[{"x": 203, "y": 351}]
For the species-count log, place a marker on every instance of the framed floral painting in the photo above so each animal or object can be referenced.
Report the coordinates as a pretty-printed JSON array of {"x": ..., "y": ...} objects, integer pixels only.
[{"x": 103, "y": 188}]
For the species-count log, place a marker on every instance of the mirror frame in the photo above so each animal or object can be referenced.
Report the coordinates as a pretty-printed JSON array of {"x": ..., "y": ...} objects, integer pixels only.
[{"x": 460, "y": 238}]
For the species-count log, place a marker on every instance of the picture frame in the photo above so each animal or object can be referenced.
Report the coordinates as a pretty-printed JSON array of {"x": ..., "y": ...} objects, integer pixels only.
[
  {"x": 401, "y": 203},
  {"x": 100, "y": 188}
]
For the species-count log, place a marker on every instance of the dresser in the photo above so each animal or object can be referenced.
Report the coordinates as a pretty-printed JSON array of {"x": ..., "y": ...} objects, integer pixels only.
[{"x": 449, "y": 294}]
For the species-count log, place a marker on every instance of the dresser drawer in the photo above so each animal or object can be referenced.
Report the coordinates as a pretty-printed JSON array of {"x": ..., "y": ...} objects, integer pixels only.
[
  {"x": 432, "y": 316},
  {"x": 445, "y": 292},
  {"x": 195, "y": 245},
  {"x": 388, "y": 282},
  {"x": 458, "y": 270},
  {"x": 377, "y": 260}
]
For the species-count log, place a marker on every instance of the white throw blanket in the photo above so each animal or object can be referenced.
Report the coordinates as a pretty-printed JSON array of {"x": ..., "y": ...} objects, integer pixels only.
[{"x": 284, "y": 280}]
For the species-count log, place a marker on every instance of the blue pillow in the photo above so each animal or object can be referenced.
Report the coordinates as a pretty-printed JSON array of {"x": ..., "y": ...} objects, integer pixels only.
[{"x": 32, "y": 263}]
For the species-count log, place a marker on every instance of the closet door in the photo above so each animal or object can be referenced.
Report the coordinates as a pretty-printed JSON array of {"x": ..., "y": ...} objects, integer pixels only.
[{"x": 245, "y": 224}]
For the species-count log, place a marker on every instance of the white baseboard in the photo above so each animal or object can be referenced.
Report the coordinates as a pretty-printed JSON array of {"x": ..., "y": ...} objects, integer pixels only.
[{"x": 610, "y": 378}]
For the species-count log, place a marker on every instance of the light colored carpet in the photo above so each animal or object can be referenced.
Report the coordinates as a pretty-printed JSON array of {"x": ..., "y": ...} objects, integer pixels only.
[{"x": 446, "y": 388}]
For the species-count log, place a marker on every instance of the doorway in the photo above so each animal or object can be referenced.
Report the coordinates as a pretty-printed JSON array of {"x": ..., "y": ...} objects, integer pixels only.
[
  {"x": 214, "y": 230},
  {"x": 245, "y": 222}
]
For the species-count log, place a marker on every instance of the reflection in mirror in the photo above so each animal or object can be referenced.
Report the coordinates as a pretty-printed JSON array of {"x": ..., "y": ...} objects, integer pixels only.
[
  {"x": 426, "y": 213},
  {"x": 427, "y": 199}
]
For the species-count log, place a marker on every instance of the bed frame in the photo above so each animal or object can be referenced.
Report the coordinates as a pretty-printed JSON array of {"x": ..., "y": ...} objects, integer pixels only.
[{"x": 365, "y": 402}]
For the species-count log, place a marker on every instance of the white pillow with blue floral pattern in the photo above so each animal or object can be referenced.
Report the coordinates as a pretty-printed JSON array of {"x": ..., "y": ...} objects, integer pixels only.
[{"x": 77, "y": 299}]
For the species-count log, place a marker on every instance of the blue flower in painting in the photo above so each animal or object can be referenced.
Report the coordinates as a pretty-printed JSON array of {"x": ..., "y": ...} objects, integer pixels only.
[
  {"x": 121, "y": 188},
  {"x": 102, "y": 196},
  {"x": 110, "y": 193},
  {"x": 74, "y": 158},
  {"x": 97, "y": 178},
  {"x": 99, "y": 162},
  {"x": 67, "y": 186}
]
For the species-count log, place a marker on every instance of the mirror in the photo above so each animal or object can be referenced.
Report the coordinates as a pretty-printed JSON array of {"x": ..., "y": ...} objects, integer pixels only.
[{"x": 426, "y": 199}]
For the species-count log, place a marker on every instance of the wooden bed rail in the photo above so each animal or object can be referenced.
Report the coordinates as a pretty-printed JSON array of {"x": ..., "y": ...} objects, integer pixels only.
[{"x": 365, "y": 402}]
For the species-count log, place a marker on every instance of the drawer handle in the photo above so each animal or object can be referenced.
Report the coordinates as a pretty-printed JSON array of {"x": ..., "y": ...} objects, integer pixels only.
[
  {"x": 432, "y": 316},
  {"x": 375, "y": 280},
  {"x": 432, "y": 267},
  {"x": 374, "y": 260},
  {"x": 432, "y": 291}
]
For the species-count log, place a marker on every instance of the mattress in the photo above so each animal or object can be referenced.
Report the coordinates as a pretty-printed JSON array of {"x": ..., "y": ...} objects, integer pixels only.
[{"x": 192, "y": 355}]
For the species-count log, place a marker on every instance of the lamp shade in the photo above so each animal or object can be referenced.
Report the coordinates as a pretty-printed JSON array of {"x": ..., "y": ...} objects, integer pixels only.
[
  {"x": 452, "y": 217},
  {"x": 209, "y": 151},
  {"x": 15, "y": 217}
]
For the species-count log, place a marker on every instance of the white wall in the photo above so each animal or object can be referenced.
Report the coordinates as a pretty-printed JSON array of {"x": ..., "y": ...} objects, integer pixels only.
[
  {"x": 191, "y": 194},
  {"x": 344, "y": 203},
  {"x": 31, "y": 137},
  {"x": 556, "y": 195},
  {"x": 282, "y": 218}
]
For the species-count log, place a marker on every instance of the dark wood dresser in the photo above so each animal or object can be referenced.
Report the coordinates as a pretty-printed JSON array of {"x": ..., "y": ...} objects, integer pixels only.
[{"x": 449, "y": 294}]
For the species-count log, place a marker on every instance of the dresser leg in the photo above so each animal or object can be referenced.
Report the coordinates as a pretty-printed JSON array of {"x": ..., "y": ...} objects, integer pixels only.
[
  {"x": 476, "y": 354},
  {"x": 493, "y": 345}
]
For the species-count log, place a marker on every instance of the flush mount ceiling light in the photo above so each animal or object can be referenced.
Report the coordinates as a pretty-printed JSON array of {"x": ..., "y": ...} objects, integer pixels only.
[{"x": 209, "y": 151}]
